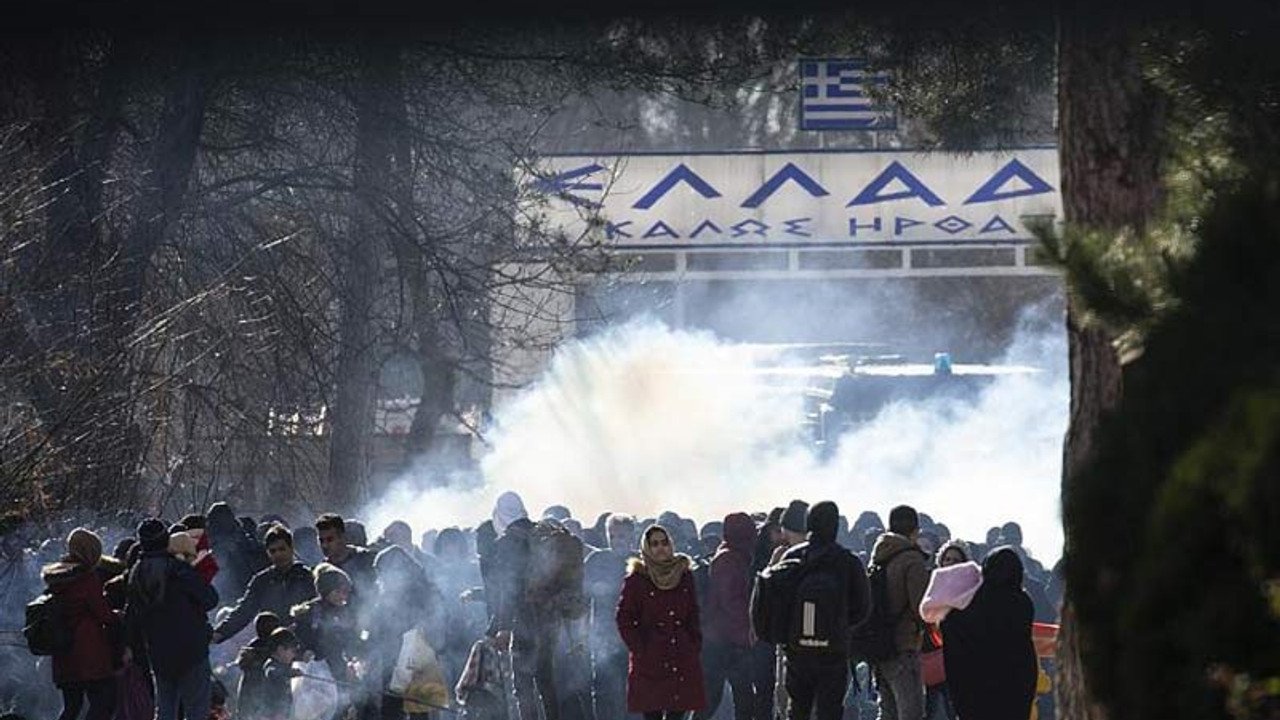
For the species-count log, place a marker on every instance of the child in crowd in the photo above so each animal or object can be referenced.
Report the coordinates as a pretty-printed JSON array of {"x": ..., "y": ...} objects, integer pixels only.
[
  {"x": 251, "y": 661},
  {"x": 278, "y": 674},
  {"x": 192, "y": 547},
  {"x": 326, "y": 624}
]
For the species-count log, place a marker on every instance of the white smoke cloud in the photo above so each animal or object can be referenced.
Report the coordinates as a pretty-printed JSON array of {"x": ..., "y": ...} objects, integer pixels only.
[{"x": 642, "y": 419}]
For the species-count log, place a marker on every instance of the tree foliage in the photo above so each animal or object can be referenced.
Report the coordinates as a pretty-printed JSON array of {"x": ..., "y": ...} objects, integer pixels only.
[{"x": 1172, "y": 563}]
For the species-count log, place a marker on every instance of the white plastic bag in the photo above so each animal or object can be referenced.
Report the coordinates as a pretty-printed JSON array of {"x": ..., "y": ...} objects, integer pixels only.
[
  {"x": 314, "y": 698},
  {"x": 415, "y": 653},
  {"x": 417, "y": 674}
]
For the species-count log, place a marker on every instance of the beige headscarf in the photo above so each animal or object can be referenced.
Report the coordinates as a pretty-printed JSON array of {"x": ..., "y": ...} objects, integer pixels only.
[
  {"x": 665, "y": 574},
  {"x": 84, "y": 547}
]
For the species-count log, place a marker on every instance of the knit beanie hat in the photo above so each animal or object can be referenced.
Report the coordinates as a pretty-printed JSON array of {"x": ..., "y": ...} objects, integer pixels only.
[
  {"x": 84, "y": 546},
  {"x": 795, "y": 517},
  {"x": 329, "y": 578},
  {"x": 153, "y": 535},
  {"x": 824, "y": 520}
]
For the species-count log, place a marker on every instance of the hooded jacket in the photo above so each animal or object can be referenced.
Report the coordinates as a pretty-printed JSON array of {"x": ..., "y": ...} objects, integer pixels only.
[
  {"x": 239, "y": 554},
  {"x": 166, "y": 612},
  {"x": 79, "y": 593},
  {"x": 271, "y": 590},
  {"x": 508, "y": 576},
  {"x": 407, "y": 600},
  {"x": 729, "y": 595},
  {"x": 990, "y": 658},
  {"x": 908, "y": 577}
]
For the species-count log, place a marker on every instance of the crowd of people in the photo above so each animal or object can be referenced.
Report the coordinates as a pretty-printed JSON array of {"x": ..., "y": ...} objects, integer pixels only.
[{"x": 792, "y": 613}]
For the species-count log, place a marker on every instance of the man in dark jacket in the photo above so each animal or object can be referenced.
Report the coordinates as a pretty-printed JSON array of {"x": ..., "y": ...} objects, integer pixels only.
[
  {"x": 727, "y": 652},
  {"x": 166, "y": 613},
  {"x": 818, "y": 669},
  {"x": 514, "y": 619},
  {"x": 277, "y": 589}
]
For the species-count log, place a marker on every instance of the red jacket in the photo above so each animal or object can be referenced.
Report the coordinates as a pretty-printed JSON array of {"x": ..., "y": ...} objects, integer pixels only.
[
  {"x": 79, "y": 591},
  {"x": 729, "y": 594},
  {"x": 663, "y": 637}
]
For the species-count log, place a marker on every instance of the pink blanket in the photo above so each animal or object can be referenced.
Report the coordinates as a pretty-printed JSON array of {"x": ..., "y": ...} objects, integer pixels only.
[{"x": 950, "y": 588}]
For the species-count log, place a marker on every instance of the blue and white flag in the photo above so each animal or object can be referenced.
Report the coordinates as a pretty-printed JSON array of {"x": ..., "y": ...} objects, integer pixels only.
[{"x": 834, "y": 97}]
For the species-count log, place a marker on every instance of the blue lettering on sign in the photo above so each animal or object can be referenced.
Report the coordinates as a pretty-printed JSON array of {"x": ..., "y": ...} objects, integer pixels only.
[
  {"x": 901, "y": 223},
  {"x": 854, "y": 227},
  {"x": 997, "y": 223},
  {"x": 704, "y": 225},
  {"x": 793, "y": 227},
  {"x": 681, "y": 174},
  {"x": 871, "y": 193},
  {"x": 560, "y": 183},
  {"x": 990, "y": 190},
  {"x": 952, "y": 224},
  {"x": 788, "y": 172},
  {"x": 661, "y": 229},
  {"x": 614, "y": 230},
  {"x": 756, "y": 228}
]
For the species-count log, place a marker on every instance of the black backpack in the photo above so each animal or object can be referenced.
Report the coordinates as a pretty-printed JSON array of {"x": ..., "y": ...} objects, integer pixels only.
[
  {"x": 48, "y": 629},
  {"x": 819, "y": 613},
  {"x": 874, "y": 640},
  {"x": 773, "y": 599}
]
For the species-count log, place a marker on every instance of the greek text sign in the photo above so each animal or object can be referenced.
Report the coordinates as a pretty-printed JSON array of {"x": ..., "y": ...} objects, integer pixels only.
[{"x": 803, "y": 197}]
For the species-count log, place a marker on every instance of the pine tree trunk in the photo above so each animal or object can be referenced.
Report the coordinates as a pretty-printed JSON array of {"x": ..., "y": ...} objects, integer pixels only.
[{"x": 1110, "y": 124}]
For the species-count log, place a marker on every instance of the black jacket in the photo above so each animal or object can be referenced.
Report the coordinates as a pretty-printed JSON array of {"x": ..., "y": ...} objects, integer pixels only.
[
  {"x": 251, "y": 660},
  {"x": 329, "y": 632},
  {"x": 508, "y": 577},
  {"x": 990, "y": 658},
  {"x": 277, "y": 690},
  {"x": 166, "y": 612},
  {"x": 271, "y": 590}
]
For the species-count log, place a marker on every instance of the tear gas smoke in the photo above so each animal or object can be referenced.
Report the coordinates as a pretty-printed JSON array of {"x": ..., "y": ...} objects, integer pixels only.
[{"x": 641, "y": 419}]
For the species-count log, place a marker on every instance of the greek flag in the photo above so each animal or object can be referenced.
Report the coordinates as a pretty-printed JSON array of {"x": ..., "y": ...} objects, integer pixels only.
[{"x": 835, "y": 97}]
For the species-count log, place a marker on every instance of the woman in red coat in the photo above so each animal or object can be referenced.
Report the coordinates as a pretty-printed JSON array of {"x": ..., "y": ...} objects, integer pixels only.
[
  {"x": 87, "y": 670},
  {"x": 658, "y": 620}
]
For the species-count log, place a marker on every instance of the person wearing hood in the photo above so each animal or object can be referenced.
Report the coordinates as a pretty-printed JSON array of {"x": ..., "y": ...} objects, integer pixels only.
[
  {"x": 407, "y": 600},
  {"x": 990, "y": 657},
  {"x": 817, "y": 658},
  {"x": 85, "y": 671},
  {"x": 515, "y": 622},
  {"x": 603, "y": 573},
  {"x": 727, "y": 654},
  {"x": 276, "y": 589},
  {"x": 898, "y": 679},
  {"x": 238, "y": 553},
  {"x": 658, "y": 619},
  {"x": 398, "y": 532},
  {"x": 166, "y": 614},
  {"x": 764, "y": 657}
]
